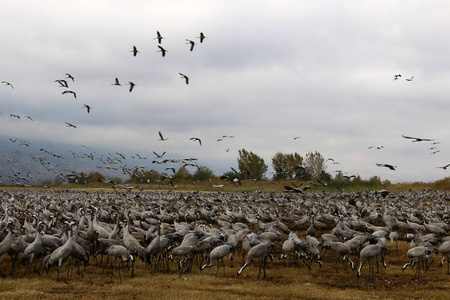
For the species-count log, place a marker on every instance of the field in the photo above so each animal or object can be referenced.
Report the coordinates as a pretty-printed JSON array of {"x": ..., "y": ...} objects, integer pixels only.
[{"x": 289, "y": 281}]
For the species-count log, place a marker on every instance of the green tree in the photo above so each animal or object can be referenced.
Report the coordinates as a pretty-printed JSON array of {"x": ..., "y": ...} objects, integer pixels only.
[
  {"x": 315, "y": 165},
  {"x": 251, "y": 165},
  {"x": 287, "y": 166},
  {"x": 203, "y": 173}
]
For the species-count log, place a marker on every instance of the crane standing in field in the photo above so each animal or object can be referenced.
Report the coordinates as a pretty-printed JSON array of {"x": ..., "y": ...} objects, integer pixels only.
[
  {"x": 218, "y": 253},
  {"x": 261, "y": 252}
]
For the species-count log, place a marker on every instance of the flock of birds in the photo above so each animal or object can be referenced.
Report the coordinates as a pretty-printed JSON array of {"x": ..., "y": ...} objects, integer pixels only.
[{"x": 148, "y": 232}]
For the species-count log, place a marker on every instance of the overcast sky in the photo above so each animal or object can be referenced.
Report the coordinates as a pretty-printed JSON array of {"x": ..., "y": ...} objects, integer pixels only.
[{"x": 267, "y": 72}]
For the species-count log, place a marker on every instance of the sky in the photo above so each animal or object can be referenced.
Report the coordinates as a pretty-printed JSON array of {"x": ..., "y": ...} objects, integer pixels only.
[{"x": 267, "y": 72}]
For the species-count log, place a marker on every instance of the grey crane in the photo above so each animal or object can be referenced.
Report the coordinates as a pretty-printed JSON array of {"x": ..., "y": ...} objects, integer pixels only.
[
  {"x": 162, "y": 50},
  {"x": 33, "y": 250},
  {"x": 191, "y": 43},
  {"x": 415, "y": 256},
  {"x": 135, "y": 51},
  {"x": 116, "y": 82},
  {"x": 7, "y": 83},
  {"x": 369, "y": 253},
  {"x": 158, "y": 37},
  {"x": 88, "y": 108},
  {"x": 261, "y": 252},
  {"x": 70, "y": 92},
  {"x": 444, "y": 249},
  {"x": 185, "y": 78},
  {"x": 122, "y": 253},
  {"x": 218, "y": 253},
  {"x": 132, "y": 85},
  {"x": 60, "y": 254},
  {"x": 70, "y": 76},
  {"x": 201, "y": 37}
]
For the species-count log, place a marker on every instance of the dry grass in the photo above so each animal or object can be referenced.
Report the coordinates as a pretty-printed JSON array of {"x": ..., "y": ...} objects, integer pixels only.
[{"x": 330, "y": 282}]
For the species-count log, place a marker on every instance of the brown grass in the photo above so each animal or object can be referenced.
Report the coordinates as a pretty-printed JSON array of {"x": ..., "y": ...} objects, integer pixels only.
[{"x": 330, "y": 282}]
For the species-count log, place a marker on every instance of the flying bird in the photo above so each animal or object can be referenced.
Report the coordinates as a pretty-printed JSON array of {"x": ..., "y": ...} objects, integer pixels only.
[
  {"x": 158, "y": 37},
  {"x": 7, "y": 83},
  {"x": 70, "y": 92},
  {"x": 62, "y": 83},
  {"x": 161, "y": 138},
  {"x": 15, "y": 116},
  {"x": 387, "y": 166},
  {"x": 444, "y": 167},
  {"x": 88, "y": 108},
  {"x": 162, "y": 50},
  {"x": 192, "y": 43},
  {"x": 28, "y": 117},
  {"x": 70, "y": 76},
  {"x": 135, "y": 51},
  {"x": 201, "y": 37},
  {"x": 159, "y": 155},
  {"x": 397, "y": 76},
  {"x": 131, "y": 84},
  {"x": 185, "y": 77},
  {"x": 70, "y": 125},
  {"x": 196, "y": 139},
  {"x": 417, "y": 139},
  {"x": 116, "y": 82},
  {"x": 296, "y": 138},
  {"x": 410, "y": 79}
]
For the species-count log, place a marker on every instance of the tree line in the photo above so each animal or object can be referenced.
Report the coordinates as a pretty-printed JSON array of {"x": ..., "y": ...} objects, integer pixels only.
[{"x": 250, "y": 166}]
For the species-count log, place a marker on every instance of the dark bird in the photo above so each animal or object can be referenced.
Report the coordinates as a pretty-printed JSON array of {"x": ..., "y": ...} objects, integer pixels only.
[
  {"x": 88, "y": 108},
  {"x": 13, "y": 140},
  {"x": 70, "y": 92},
  {"x": 387, "y": 166},
  {"x": 135, "y": 51},
  {"x": 70, "y": 76},
  {"x": 201, "y": 37},
  {"x": 62, "y": 83},
  {"x": 70, "y": 125},
  {"x": 116, "y": 82},
  {"x": 162, "y": 50},
  {"x": 185, "y": 78},
  {"x": 196, "y": 139},
  {"x": 417, "y": 139},
  {"x": 397, "y": 76},
  {"x": 159, "y": 155},
  {"x": 444, "y": 167},
  {"x": 434, "y": 152},
  {"x": 161, "y": 138},
  {"x": 410, "y": 79},
  {"x": 296, "y": 138},
  {"x": 7, "y": 83},
  {"x": 172, "y": 169},
  {"x": 158, "y": 37},
  {"x": 131, "y": 84},
  {"x": 192, "y": 43},
  {"x": 28, "y": 117},
  {"x": 15, "y": 116}
]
